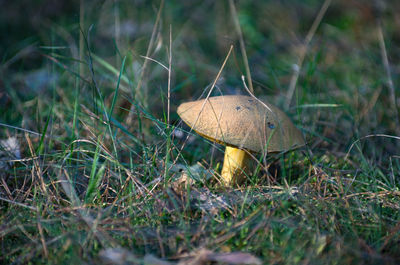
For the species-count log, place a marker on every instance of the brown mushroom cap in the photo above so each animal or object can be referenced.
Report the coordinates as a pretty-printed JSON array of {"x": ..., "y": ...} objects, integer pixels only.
[{"x": 242, "y": 122}]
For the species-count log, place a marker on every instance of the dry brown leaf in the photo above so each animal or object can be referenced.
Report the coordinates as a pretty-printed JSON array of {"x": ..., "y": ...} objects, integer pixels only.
[
  {"x": 9, "y": 150},
  {"x": 205, "y": 256},
  {"x": 118, "y": 256},
  {"x": 235, "y": 258}
]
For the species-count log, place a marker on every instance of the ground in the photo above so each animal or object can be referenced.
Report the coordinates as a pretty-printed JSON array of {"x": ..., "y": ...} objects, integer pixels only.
[{"x": 96, "y": 166}]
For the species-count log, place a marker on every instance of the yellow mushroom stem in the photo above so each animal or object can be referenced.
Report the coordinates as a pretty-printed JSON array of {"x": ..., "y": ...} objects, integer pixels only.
[{"x": 236, "y": 165}]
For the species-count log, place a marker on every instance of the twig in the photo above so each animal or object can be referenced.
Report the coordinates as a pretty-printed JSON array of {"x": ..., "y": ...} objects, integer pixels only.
[
  {"x": 303, "y": 51},
  {"x": 242, "y": 47}
]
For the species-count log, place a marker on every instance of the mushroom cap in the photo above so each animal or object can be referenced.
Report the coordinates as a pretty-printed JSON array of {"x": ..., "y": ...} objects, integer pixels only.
[{"x": 243, "y": 122}]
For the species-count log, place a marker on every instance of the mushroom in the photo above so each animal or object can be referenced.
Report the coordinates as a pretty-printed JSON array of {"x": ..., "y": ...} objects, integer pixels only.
[{"x": 244, "y": 124}]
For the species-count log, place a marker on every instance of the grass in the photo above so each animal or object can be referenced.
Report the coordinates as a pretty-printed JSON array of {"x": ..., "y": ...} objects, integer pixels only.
[{"x": 104, "y": 156}]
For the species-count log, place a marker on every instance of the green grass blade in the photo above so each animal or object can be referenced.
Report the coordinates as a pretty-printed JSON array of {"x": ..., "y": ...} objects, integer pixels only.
[
  {"x": 111, "y": 68},
  {"x": 93, "y": 179},
  {"x": 117, "y": 88},
  {"x": 41, "y": 143}
]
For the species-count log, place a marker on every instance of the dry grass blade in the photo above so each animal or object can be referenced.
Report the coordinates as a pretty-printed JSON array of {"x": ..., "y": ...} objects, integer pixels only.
[
  {"x": 21, "y": 129},
  {"x": 388, "y": 73},
  {"x": 36, "y": 168},
  {"x": 157, "y": 62},
  {"x": 19, "y": 204},
  {"x": 208, "y": 95},
  {"x": 242, "y": 46},
  {"x": 303, "y": 52},
  {"x": 139, "y": 94},
  {"x": 369, "y": 136},
  {"x": 81, "y": 37},
  {"x": 169, "y": 74},
  {"x": 42, "y": 240}
]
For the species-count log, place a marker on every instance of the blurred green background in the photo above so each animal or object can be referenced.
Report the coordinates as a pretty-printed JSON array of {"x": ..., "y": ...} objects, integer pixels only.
[{"x": 343, "y": 65}]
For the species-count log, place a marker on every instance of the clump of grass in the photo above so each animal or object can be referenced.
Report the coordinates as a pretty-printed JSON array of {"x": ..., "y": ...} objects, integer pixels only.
[{"x": 89, "y": 182}]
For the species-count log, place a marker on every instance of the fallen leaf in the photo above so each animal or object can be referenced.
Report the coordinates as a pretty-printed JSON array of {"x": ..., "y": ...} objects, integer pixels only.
[
  {"x": 9, "y": 150},
  {"x": 118, "y": 256},
  {"x": 196, "y": 172},
  {"x": 235, "y": 258},
  {"x": 198, "y": 257},
  {"x": 205, "y": 256}
]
